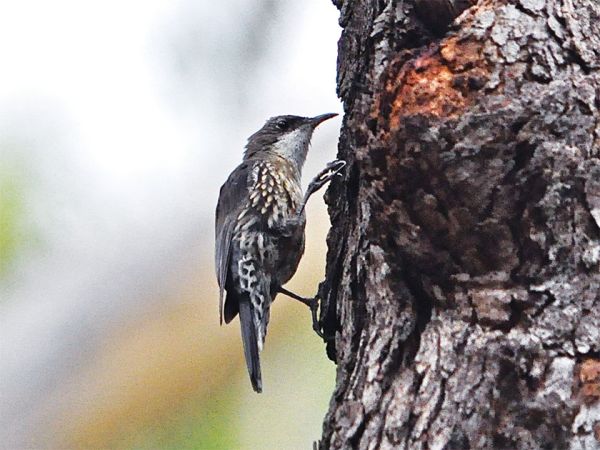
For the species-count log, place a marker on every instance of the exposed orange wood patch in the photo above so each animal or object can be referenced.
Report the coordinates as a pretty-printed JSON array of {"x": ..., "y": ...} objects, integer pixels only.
[
  {"x": 441, "y": 82},
  {"x": 589, "y": 375}
]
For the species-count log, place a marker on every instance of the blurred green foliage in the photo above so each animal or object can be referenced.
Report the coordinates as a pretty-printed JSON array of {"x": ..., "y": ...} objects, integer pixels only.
[
  {"x": 12, "y": 214},
  {"x": 211, "y": 427}
]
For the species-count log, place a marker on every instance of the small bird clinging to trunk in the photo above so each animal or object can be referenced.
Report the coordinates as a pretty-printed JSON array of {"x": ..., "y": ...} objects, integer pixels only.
[{"x": 260, "y": 223}]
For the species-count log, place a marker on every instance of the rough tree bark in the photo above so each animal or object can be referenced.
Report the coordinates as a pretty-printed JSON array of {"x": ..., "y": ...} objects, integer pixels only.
[{"x": 463, "y": 276}]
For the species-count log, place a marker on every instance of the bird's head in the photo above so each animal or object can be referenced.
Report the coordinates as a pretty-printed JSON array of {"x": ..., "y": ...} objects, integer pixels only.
[{"x": 285, "y": 136}]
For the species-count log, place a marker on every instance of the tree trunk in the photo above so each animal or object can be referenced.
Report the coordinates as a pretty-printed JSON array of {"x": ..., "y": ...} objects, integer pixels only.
[{"x": 463, "y": 272}]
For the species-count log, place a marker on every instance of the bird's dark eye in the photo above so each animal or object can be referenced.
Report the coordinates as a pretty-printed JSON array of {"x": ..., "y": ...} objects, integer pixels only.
[{"x": 281, "y": 124}]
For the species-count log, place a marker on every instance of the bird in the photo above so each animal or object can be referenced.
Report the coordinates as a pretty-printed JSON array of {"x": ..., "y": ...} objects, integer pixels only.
[{"x": 259, "y": 227}]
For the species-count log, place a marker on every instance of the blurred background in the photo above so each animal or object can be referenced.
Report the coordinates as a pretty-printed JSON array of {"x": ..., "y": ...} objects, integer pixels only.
[{"x": 119, "y": 121}]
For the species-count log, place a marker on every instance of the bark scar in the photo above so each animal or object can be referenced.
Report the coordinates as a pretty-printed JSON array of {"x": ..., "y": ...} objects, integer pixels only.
[{"x": 442, "y": 81}]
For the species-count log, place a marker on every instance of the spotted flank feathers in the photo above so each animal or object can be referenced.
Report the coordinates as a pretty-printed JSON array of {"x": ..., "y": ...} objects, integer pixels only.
[{"x": 254, "y": 281}]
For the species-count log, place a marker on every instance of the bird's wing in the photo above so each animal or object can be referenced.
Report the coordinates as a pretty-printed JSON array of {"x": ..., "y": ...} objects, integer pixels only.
[{"x": 231, "y": 201}]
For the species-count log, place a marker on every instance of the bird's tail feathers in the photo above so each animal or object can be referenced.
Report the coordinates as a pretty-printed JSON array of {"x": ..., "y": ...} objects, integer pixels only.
[{"x": 251, "y": 344}]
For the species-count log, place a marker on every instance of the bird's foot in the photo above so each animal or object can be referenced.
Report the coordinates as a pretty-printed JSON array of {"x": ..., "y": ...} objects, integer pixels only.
[
  {"x": 313, "y": 304},
  {"x": 331, "y": 170},
  {"x": 314, "y": 313}
]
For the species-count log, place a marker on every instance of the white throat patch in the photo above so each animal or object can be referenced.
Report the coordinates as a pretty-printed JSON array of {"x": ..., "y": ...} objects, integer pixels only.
[{"x": 293, "y": 146}]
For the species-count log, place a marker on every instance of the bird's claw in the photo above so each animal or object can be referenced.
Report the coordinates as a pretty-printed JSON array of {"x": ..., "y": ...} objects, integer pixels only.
[
  {"x": 314, "y": 309},
  {"x": 334, "y": 167},
  {"x": 313, "y": 304},
  {"x": 316, "y": 323},
  {"x": 331, "y": 169}
]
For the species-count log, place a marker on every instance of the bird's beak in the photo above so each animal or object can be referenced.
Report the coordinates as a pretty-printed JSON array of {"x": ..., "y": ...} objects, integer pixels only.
[{"x": 322, "y": 118}]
